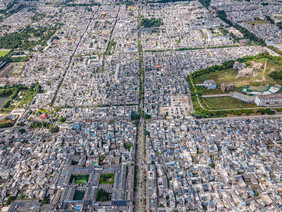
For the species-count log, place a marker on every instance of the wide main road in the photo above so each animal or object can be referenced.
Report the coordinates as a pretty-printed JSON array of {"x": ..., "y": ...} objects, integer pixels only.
[
  {"x": 140, "y": 197},
  {"x": 140, "y": 165}
]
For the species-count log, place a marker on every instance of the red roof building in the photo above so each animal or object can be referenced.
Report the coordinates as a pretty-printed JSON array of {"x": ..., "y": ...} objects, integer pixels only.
[{"x": 43, "y": 116}]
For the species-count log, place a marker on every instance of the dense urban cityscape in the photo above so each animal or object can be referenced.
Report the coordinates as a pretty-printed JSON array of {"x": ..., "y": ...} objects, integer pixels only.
[{"x": 162, "y": 106}]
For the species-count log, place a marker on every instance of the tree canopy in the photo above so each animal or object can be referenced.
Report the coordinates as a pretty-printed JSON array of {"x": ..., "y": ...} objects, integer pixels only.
[{"x": 153, "y": 22}]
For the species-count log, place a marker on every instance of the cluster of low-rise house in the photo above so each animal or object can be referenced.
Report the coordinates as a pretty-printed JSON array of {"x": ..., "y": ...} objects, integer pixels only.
[
  {"x": 126, "y": 30},
  {"x": 88, "y": 147},
  {"x": 268, "y": 32},
  {"x": 99, "y": 32},
  {"x": 214, "y": 165},
  {"x": 28, "y": 16},
  {"x": 16, "y": 22},
  {"x": 192, "y": 26},
  {"x": 104, "y": 113},
  {"x": 240, "y": 12},
  {"x": 117, "y": 84}
]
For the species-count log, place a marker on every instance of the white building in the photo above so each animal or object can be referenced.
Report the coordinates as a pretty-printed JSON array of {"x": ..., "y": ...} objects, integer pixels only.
[
  {"x": 210, "y": 84},
  {"x": 269, "y": 100}
]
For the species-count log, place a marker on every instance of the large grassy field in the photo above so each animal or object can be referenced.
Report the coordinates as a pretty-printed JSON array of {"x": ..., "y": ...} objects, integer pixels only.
[
  {"x": 4, "y": 52},
  {"x": 224, "y": 103}
]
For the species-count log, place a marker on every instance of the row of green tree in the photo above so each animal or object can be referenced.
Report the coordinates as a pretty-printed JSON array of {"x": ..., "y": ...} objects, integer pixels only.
[
  {"x": 110, "y": 47},
  {"x": 275, "y": 49},
  {"x": 12, "y": 8},
  {"x": 215, "y": 68},
  {"x": 201, "y": 113}
]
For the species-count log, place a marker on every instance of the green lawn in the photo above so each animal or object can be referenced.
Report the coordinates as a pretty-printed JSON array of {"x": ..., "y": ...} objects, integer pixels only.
[
  {"x": 258, "y": 22},
  {"x": 224, "y": 103},
  {"x": 4, "y": 52},
  {"x": 80, "y": 180}
]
